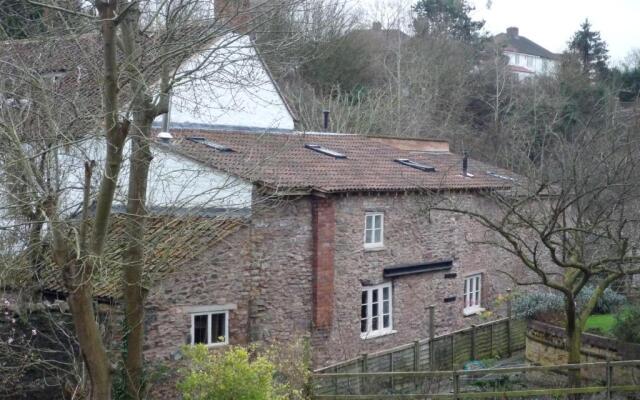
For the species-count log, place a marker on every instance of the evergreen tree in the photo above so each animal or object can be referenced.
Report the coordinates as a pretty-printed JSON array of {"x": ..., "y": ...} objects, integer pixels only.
[
  {"x": 591, "y": 50},
  {"x": 19, "y": 19},
  {"x": 447, "y": 17}
]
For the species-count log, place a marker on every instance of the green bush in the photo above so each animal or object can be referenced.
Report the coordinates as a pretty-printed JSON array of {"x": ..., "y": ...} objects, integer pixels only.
[
  {"x": 226, "y": 375},
  {"x": 534, "y": 304},
  {"x": 627, "y": 324},
  {"x": 608, "y": 303}
]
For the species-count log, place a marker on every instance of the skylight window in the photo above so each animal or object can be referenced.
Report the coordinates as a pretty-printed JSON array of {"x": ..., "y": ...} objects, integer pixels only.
[
  {"x": 209, "y": 143},
  {"x": 495, "y": 174},
  {"x": 324, "y": 150},
  {"x": 416, "y": 165}
]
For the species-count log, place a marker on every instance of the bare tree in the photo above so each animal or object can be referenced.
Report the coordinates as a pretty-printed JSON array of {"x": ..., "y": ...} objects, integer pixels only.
[
  {"x": 572, "y": 222},
  {"x": 144, "y": 51}
]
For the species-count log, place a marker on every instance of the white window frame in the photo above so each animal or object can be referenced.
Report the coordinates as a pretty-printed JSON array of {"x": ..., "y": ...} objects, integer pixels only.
[
  {"x": 209, "y": 314},
  {"x": 472, "y": 294},
  {"x": 369, "y": 318},
  {"x": 373, "y": 245},
  {"x": 531, "y": 62},
  {"x": 516, "y": 59}
]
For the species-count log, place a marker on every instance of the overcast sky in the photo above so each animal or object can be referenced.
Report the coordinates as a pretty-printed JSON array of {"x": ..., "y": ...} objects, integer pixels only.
[{"x": 551, "y": 23}]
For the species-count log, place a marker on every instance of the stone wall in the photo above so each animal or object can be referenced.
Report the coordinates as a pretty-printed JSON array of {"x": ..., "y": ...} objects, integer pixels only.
[
  {"x": 545, "y": 345},
  {"x": 281, "y": 265},
  {"x": 410, "y": 235},
  {"x": 267, "y": 270},
  {"x": 220, "y": 275}
]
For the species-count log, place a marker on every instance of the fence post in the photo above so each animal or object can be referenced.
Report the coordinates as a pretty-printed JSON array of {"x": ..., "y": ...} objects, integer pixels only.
[
  {"x": 363, "y": 368},
  {"x": 509, "y": 352},
  {"x": 432, "y": 335},
  {"x": 609, "y": 379},
  {"x": 453, "y": 349},
  {"x": 456, "y": 385},
  {"x": 416, "y": 361},
  {"x": 473, "y": 342},
  {"x": 392, "y": 367}
]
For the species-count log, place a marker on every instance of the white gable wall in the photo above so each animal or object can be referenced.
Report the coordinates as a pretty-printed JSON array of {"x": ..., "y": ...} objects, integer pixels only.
[{"x": 233, "y": 89}]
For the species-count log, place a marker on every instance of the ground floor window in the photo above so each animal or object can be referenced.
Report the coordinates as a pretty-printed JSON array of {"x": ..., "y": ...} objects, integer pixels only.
[
  {"x": 376, "y": 311},
  {"x": 210, "y": 328},
  {"x": 472, "y": 294}
]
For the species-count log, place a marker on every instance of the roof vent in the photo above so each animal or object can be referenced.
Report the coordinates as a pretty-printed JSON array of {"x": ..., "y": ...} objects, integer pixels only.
[
  {"x": 209, "y": 143},
  {"x": 416, "y": 165},
  {"x": 165, "y": 137},
  {"x": 324, "y": 150}
]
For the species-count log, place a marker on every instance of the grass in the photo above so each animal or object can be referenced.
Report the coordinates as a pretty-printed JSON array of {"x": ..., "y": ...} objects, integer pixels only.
[{"x": 600, "y": 323}]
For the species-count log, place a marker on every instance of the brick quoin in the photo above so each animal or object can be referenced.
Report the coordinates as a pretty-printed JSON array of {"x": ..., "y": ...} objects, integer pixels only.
[{"x": 324, "y": 228}]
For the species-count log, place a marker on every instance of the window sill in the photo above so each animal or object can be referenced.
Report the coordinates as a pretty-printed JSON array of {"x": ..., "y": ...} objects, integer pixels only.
[
  {"x": 378, "y": 247},
  {"x": 472, "y": 311},
  {"x": 366, "y": 336},
  {"x": 212, "y": 345}
]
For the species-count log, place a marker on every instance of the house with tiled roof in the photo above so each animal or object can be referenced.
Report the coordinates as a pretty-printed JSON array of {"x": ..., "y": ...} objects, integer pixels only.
[
  {"x": 258, "y": 232},
  {"x": 336, "y": 244},
  {"x": 526, "y": 57}
]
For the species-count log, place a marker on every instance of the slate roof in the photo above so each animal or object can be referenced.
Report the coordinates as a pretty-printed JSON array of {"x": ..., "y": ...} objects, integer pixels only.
[
  {"x": 521, "y": 44},
  {"x": 171, "y": 243},
  {"x": 281, "y": 162}
]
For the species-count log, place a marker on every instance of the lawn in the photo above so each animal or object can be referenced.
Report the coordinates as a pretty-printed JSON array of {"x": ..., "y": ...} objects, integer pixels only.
[{"x": 601, "y": 322}]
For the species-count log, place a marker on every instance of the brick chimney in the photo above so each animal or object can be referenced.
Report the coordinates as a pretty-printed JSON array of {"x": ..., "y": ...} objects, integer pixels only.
[
  {"x": 512, "y": 31},
  {"x": 376, "y": 26},
  {"x": 233, "y": 15},
  {"x": 324, "y": 228}
]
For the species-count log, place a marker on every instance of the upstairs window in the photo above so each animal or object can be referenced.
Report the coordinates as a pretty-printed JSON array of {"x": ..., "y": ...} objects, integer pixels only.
[
  {"x": 473, "y": 294},
  {"x": 530, "y": 61},
  {"x": 211, "y": 329},
  {"x": 373, "y": 230},
  {"x": 376, "y": 311},
  {"x": 517, "y": 59}
]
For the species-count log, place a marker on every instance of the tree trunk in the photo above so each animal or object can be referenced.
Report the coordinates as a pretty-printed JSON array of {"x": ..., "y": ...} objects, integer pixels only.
[
  {"x": 134, "y": 291},
  {"x": 574, "y": 341},
  {"x": 88, "y": 333}
]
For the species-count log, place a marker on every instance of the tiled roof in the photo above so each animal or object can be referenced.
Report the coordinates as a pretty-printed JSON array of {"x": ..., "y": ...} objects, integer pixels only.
[
  {"x": 523, "y": 45},
  {"x": 171, "y": 243},
  {"x": 281, "y": 162},
  {"x": 74, "y": 60}
]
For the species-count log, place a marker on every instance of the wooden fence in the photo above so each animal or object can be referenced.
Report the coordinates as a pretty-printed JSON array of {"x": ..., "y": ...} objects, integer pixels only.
[
  {"x": 619, "y": 378},
  {"x": 499, "y": 338}
]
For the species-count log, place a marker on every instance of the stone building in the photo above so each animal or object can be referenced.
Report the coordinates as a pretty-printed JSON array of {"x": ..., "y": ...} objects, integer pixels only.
[{"x": 336, "y": 245}]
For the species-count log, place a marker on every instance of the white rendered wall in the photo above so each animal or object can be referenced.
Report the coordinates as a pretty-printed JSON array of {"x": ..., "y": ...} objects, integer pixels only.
[
  {"x": 176, "y": 183},
  {"x": 538, "y": 65},
  {"x": 232, "y": 88}
]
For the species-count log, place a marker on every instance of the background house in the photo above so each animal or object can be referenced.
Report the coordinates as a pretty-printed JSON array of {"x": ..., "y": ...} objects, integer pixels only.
[{"x": 526, "y": 58}]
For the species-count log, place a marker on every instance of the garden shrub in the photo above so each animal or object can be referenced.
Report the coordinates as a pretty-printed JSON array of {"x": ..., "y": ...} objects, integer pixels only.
[
  {"x": 226, "y": 375},
  {"x": 292, "y": 361},
  {"x": 607, "y": 304},
  {"x": 535, "y": 304},
  {"x": 627, "y": 325}
]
